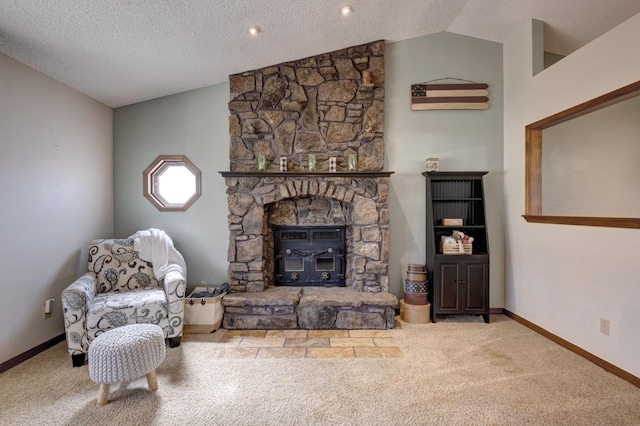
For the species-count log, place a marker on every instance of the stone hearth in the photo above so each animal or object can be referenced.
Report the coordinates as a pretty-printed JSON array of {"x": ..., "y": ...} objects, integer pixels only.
[{"x": 311, "y": 308}]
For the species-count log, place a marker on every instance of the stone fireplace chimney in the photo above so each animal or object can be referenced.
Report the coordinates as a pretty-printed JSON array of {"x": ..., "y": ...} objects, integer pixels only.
[{"x": 318, "y": 105}]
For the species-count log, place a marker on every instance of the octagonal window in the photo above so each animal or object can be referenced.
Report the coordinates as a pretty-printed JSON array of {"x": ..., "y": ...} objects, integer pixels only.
[{"x": 172, "y": 183}]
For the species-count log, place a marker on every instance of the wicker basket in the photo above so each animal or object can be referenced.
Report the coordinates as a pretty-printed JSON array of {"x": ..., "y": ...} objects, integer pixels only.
[
  {"x": 455, "y": 248},
  {"x": 414, "y": 314}
]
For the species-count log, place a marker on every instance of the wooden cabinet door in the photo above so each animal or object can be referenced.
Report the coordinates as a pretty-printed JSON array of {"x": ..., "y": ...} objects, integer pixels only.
[
  {"x": 476, "y": 286},
  {"x": 447, "y": 298},
  {"x": 461, "y": 286}
]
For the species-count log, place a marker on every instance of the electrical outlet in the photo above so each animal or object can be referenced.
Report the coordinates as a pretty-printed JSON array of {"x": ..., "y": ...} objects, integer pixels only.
[
  {"x": 605, "y": 326},
  {"x": 48, "y": 308},
  {"x": 203, "y": 283}
]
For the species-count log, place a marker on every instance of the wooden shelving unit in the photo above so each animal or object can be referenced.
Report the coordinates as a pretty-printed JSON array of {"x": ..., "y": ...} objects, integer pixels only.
[{"x": 458, "y": 284}]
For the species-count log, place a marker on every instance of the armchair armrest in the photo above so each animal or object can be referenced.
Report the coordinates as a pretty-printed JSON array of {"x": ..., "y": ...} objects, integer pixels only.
[
  {"x": 175, "y": 287},
  {"x": 75, "y": 299}
]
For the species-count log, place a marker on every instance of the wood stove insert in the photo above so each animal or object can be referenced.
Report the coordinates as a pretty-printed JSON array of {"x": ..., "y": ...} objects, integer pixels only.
[{"x": 309, "y": 255}]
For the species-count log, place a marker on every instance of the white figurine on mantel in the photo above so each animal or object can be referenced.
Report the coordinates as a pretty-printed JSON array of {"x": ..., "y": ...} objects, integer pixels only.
[{"x": 433, "y": 164}]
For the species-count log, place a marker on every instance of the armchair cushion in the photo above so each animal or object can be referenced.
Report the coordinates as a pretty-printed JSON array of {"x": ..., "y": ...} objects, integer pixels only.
[
  {"x": 111, "y": 310},
  {"x": 118, "y": 267}
]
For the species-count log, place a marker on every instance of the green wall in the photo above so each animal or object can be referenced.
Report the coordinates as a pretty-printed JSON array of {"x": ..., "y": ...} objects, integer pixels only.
[
  {"x": 462, "y": 139},
  {"x": 195, "y": 123}
]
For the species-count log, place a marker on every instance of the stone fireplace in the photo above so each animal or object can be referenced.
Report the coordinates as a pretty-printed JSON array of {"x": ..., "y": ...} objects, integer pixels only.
[
  {"x": 357, "y": 200},
  {"x": 328, "y": 106}
]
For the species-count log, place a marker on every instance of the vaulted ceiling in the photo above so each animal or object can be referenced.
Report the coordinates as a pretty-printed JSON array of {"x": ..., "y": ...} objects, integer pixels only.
[{"x": 122, "y": 52}]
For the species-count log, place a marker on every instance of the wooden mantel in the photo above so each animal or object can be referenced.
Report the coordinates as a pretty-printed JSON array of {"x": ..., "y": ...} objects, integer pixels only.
[{"x": 372, "y": 174}]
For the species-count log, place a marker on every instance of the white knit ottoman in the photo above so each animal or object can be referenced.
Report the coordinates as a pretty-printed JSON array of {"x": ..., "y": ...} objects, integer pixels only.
[{"x": 126, "y": 353}]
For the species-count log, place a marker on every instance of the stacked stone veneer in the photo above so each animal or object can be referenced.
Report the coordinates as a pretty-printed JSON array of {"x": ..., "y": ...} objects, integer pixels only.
[
  {"x": 319, "y": 105},
  {"x": 358, "y": 202}
]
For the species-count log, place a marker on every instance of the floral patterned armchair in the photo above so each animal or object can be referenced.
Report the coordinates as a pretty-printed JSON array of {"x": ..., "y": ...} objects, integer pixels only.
[{"x": 119, "y": 289}]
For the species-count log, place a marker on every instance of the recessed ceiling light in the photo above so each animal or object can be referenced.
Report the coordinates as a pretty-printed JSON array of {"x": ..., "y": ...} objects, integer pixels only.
[
  {"x": 254, "y": 30},
  {"x": 346, "y": 10}
]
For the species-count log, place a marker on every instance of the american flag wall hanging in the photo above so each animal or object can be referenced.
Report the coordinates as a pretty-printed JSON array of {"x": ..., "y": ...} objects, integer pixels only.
[{"x": 426, "y": 96}]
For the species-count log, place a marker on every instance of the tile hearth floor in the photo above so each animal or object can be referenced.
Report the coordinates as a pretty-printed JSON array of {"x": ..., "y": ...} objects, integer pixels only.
[{"x": 301, "y": 344}]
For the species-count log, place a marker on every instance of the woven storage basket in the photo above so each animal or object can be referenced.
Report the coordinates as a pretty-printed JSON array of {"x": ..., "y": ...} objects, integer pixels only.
[
  {"x": 416, "y": 267},
  {"x": 415, "y": 286},
  {"x": 202, "y": 315},
  {"x": 416, "y": 276},
  {"x": 414, "y": 314},
  {"x": 455, "y": 248},
  {"x": 415, "y": 298}
]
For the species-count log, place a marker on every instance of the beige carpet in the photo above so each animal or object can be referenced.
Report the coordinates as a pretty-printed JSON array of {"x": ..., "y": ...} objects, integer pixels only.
[{"x": 450, "y": 373}]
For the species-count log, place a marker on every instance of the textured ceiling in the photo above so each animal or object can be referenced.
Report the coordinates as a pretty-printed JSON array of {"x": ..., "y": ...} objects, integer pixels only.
[{"x": 122, "y": 51}]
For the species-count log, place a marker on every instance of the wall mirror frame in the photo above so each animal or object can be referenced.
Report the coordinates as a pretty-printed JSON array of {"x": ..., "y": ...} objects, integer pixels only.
[{"x": 533, "y": 158}]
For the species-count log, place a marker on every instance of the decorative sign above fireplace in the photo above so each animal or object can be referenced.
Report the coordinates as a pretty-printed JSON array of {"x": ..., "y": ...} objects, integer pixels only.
[{"x": 309, "y": 255}]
